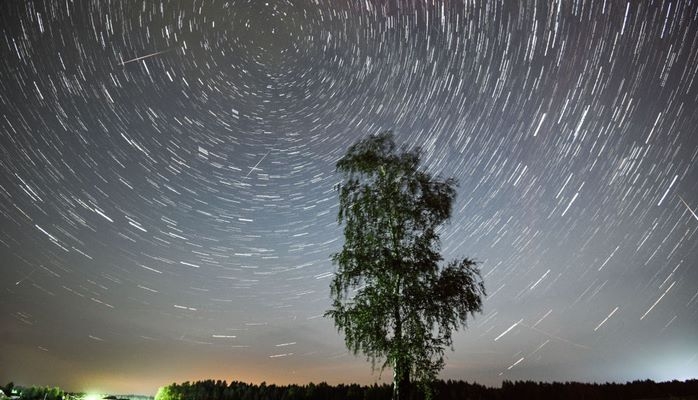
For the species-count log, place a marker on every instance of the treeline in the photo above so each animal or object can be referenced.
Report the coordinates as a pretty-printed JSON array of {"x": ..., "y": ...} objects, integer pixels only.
[
  {"x": 34, "y": 392},
  {"x": 520, "y": 390}
]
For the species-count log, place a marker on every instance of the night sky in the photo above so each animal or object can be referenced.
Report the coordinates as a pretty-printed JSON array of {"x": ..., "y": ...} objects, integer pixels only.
[{"x": 167, "y": 209}]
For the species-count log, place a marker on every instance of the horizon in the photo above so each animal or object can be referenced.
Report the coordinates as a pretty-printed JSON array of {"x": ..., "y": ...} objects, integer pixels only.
[
  {"x": 229, "y": 382},
  {"x": 167, "y": 202}
]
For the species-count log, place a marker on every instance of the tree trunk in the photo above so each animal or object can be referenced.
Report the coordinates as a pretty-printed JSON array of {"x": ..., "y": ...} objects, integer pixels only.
[
  {"x": 401, "y": 379},
  {"x": 401, "y": 368}
]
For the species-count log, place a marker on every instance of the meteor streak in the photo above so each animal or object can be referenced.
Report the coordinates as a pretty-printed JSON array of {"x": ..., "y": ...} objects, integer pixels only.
[
  {"x": 25, "y": 277},
  {"x": 258, "y": 162},
  {"x": 143, "y": 57},
  {"x": 689, "y": 208},
  {"x": 556, "y": 337}
]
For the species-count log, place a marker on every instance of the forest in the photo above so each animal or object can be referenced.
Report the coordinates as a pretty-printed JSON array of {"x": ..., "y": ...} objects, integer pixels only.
[{"x": 520, "y": 390}]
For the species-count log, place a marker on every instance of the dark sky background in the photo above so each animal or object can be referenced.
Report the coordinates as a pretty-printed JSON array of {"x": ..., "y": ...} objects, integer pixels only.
[{"x": 167, "y": 209}]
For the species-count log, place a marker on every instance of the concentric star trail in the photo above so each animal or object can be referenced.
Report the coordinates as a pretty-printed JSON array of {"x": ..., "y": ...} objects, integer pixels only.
[{"x": 149, "y": 236}]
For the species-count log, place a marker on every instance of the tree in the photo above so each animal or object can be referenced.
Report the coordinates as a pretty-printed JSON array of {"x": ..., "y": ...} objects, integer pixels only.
[
  {"x": 390, "y": 295},
  {"x": 8, "y": 388}
]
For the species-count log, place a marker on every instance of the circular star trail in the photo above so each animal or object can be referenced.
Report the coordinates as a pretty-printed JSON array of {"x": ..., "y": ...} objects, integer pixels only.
[{"x": 167, "y": 203}]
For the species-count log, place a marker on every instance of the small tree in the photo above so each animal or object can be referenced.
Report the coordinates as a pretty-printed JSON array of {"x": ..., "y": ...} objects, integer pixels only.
[
  {"x": 8, "y": 389},
  {"x": 390, "y": 296}
]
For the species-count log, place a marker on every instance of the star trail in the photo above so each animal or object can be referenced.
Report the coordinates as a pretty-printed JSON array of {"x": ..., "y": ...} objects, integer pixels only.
[{"x": 167, "y": 202}]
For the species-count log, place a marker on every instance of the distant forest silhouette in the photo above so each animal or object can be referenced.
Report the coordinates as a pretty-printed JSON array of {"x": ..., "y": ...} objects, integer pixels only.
[{"x": 520, "y": 390}]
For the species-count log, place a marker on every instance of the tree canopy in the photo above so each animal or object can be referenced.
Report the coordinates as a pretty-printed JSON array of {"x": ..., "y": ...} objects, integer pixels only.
[{"x": 391, "y": 296}]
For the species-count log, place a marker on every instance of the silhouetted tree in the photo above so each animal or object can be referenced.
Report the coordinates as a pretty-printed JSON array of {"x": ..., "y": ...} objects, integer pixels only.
[
  {"x": 391, "y": 298},
  {"x": 41, "y": 393},
  {"x": 7, "y": 389}
]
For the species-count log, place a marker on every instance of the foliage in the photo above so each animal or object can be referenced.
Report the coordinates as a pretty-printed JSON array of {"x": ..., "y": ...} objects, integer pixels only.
[
  {"x": 7, "y": 389},
  {"x": 220, "y": 390},
  {"x": 447, "y": 390},
  {"x": 391, "y": 298},
  {"x": 41, "y": 393},
  {"x": 168, "y": 393}
]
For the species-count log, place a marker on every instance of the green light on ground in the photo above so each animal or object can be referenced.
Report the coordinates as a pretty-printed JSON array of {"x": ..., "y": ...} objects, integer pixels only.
[{"x": 93, "y": 396}]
